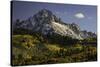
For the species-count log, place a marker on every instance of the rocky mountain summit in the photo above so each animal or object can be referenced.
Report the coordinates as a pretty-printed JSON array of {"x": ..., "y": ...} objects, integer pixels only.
[{"x": 45, "y": 22}]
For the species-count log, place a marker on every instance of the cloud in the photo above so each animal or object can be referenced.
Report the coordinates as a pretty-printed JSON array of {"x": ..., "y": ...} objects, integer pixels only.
[{"x": 79, "y": 15}]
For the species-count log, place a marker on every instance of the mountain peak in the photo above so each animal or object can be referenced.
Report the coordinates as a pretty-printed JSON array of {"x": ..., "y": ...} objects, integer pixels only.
[
  {"x": 46, "y": 22},
  {"x": 44, "y": 16},
  {"x": 45, "y": 11}
]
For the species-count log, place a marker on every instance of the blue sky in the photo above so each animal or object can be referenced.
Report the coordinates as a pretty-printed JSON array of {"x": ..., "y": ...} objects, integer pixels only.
[{"x": 83, "y": 15}]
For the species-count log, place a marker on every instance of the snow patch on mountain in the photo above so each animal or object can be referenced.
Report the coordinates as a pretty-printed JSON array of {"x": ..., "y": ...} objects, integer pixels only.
[{"x": 64, "y": 30}]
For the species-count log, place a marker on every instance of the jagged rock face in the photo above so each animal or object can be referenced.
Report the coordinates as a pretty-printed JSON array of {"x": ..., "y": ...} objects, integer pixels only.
[
  {"x": 44, "y": 16},
  {"x": 46, "y": 22},
  {"x": 75, "y": 28},
  {"x": 85, "y": 34}
]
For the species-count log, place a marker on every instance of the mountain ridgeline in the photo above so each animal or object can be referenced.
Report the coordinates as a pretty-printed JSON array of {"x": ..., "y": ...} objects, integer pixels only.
[{"x": 47, "y": 24}]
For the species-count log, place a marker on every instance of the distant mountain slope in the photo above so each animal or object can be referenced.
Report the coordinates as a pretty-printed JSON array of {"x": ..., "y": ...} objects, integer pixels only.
[{"x": 45, "y": 22}]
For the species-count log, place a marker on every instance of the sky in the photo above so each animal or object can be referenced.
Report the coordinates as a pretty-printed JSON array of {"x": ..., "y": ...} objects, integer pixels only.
[{"x": 83, "y": 15}]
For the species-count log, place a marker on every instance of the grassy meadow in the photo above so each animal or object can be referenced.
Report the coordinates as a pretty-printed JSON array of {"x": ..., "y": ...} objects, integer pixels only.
[{"x": 35, "y": 49}]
